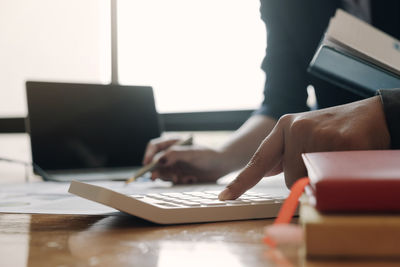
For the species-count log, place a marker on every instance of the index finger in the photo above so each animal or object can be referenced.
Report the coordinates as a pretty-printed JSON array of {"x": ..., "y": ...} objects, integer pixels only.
[{"x": 267, "y": 156}]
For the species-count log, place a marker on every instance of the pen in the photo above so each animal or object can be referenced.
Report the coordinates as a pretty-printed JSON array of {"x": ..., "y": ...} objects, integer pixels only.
[{"x": 151, "y": 166}]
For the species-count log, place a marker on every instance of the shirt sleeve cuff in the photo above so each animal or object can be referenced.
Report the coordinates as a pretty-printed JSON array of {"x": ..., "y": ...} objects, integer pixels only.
[{"x": 391, "y": 105}]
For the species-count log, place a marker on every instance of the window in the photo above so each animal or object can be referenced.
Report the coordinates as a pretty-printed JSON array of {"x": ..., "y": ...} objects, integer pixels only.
[
  {"x": 64, "y": 40},
  {"x": 197, "y": 55}
]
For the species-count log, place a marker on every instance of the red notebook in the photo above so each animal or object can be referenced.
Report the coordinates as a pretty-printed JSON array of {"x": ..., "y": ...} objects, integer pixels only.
[{"x": 355, "y": 181}]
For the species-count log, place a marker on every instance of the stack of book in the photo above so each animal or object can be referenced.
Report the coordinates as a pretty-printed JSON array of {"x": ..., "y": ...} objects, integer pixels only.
[
  {"x": 352, "y": 206},
  {"x": 356, "y": 56}
]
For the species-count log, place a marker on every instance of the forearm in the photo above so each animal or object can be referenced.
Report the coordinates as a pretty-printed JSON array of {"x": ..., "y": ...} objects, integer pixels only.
[{"x": 239, "y": 148}]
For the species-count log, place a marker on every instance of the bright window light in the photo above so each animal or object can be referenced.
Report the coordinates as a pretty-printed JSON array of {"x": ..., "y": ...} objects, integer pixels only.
[
  {"x": 46, "y": 40},
  {"x": 197, "y": 55}
]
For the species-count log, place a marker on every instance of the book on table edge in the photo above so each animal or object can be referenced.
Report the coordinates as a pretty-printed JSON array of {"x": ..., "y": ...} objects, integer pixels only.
[
  {"x": 354, "y": 181},
  {"x": 349, "y": 236}
]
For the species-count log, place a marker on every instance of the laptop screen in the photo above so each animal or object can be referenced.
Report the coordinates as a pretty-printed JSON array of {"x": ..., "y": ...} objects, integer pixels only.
[{"x": 81, "y": 126}]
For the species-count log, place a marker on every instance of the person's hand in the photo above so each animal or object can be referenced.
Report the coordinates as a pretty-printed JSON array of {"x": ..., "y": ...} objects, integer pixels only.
[
  {"x": 356, "y": 126},
  {"x": 184, "y": 164}
]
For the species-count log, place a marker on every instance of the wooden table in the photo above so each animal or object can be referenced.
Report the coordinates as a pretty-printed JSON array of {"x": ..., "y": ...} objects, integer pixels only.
[
  {"x": 72, "y": 240},
  {"x": 58, "y": 240}
]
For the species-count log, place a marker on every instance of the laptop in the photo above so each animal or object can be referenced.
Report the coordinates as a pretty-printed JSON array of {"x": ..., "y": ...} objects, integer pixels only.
[{"x": 89, "y": 131}]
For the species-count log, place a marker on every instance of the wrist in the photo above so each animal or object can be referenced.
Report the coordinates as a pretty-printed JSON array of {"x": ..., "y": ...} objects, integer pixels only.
[{"x": 378, "y": 128}]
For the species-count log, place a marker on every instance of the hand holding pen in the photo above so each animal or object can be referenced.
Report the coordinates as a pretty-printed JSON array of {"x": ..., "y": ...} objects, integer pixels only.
[
  {"x": 184, "y": 164},
  {"x": 155, "y": 162}
]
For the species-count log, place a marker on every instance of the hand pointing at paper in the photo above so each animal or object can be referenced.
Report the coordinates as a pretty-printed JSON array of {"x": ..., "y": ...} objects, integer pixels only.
[{"x": 356, "y": 126}]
